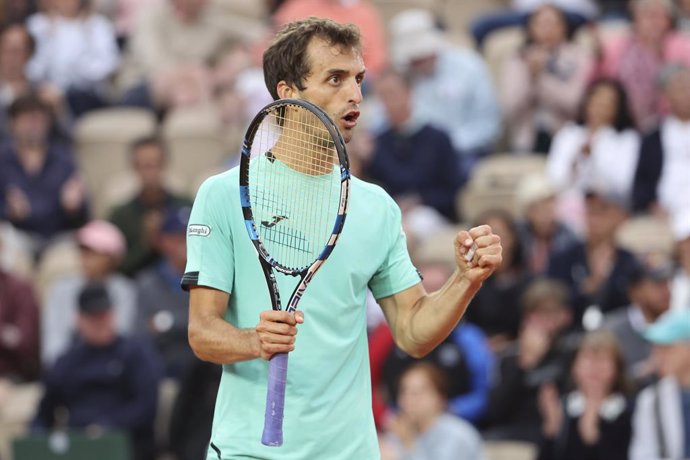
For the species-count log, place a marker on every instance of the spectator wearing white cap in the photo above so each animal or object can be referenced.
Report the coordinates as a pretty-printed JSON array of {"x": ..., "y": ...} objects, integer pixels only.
[
  {"x": 101, "y": 247},
  {"x": 661, "y": 424},
  {"x": 451, "y": 86},
  {"x": 680, "y": 286}
]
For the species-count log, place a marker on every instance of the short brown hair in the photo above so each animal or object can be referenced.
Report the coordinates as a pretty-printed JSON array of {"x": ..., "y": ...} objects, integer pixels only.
[
  {"x": 545, "y": 292},
  {"x": 286, "y": 58},
  {"x": 604, "y": 340},
  {"x": 436, "y": 375}
]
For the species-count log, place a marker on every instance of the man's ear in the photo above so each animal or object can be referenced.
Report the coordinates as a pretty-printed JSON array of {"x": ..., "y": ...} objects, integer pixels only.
[{"x": 284, "y": 90}]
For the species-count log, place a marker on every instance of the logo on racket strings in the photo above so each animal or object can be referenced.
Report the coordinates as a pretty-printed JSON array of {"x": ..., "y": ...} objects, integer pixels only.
[{"x": 273, "y": 222}]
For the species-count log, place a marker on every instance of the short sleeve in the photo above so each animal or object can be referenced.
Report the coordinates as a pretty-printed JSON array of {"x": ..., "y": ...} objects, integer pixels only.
[
  {"x": 397, "y": 272},
  {"x": 210, "y": 253}
]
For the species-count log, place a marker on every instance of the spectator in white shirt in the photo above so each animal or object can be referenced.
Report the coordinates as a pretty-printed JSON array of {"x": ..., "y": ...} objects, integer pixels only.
[
  {"x": 76, "y": 52},
  {"x": 601, "y": 147}
]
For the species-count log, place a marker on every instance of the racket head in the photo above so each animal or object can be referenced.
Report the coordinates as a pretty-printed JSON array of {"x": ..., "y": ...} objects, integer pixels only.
[{"x": 294, "y": 184}]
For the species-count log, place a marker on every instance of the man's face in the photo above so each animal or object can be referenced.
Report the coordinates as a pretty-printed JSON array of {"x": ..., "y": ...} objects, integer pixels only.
[
  {"x": 334, "y": 83},
  {"x": 97, "y": 329},
  {"x": 149, "y": 162},
  {"x": 603, "y": 218},
  {"x": 14, "y": 51},
  {"x": 652, "y": 296},
  {"x": 395, "y": 96},
  {"x": 31, "y": 127}
]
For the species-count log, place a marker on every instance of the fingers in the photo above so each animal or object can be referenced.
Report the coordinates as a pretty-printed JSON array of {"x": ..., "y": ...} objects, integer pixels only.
[
  {"x": 277, "y": 331},
  {"x": 480, "y": 247}
]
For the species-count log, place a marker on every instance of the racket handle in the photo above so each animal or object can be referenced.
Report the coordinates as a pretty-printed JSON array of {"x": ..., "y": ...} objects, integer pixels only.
[{"x": 275, "y": 400}]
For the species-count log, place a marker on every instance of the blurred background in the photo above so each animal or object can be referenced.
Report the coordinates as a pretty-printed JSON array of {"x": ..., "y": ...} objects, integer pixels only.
[{"x": 565, "y": 125}]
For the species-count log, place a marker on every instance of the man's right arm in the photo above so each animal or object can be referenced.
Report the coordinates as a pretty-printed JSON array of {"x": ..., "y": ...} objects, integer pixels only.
[{"x": 214, "y": 339}]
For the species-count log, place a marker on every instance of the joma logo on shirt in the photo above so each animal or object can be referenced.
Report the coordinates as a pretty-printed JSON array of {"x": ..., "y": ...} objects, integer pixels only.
[{"x": 198, "y": 230}]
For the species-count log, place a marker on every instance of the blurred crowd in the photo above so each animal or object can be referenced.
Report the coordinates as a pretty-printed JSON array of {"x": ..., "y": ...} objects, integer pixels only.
[{"x": 565, "y": 125}]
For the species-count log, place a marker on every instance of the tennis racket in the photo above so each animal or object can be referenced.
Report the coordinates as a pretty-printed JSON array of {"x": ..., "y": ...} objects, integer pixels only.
[{"x": 294, "y": 186}]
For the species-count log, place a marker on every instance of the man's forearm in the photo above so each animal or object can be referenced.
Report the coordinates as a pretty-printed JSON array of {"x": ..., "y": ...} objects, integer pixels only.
[
  {"x": 434, "y": 316},
  {"x": 215, "y": 340}
]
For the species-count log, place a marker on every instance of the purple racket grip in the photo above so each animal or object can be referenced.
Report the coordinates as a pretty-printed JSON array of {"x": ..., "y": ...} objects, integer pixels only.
[{"x": 275, "y": 400}]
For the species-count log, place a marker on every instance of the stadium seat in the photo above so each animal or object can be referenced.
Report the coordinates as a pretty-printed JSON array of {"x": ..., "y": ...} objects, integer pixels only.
[
  {"x": 122, "y": 187},
  {"x": 509, "y": 450},
  {"x": 103, "y": 139},
  {"x": 494, "y": 184},
  {"x": 72, "y": 446},
  {"x": 498, "y": 46},
  {"x": 458, "y": 16},
  {"x": 647, "y": 236},
  {"x": 17, "y": 405},
  {"x": 194, "y": 142},
  {"x": 60, "y": 259},
  {"x": 389, "y": 8}
]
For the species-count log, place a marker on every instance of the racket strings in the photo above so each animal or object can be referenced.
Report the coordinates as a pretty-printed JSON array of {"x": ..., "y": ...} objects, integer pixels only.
[{"x": 295, "y": 194}]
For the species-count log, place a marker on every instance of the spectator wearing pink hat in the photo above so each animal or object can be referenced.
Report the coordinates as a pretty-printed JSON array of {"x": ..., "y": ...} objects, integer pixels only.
[{"x": 101, "y": 246}]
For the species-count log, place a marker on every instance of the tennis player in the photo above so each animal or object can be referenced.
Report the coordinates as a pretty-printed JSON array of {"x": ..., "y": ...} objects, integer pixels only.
[{"x": 328, "y": 398}]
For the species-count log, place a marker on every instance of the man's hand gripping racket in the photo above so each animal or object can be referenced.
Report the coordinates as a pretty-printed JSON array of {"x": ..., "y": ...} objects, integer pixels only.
[{"x": 294, "y": 186}]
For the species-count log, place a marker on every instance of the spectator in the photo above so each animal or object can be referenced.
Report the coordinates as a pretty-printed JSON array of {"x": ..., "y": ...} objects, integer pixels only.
[
  {"x": 76, "y": 52},
  {"x": 543, "y": 82},
  {"x": 496, "y": 307},
  {"x": 103, "y": 380},
  {"x": 139, "y": 219},
  {"x": 19, "y": 314},
  {"x": 128, "y": 13},
  {"x": 162, "y": 306},
  {"x": 661, "y": 178},
  {"x": 170, "y": 48},
  {"x": 540, "y": 356},
  {"x": 359, "y": 12},
  {"x": 601, "y": 146},
  {"x": 680, "y": 291},
  {"x": 594, "y": 420},
  {"x": 597, "y": 271},
  {"x": 42, "y": 192},
  {"x": 576, "y": 12},
  {"x": 16, "y": 48},
  {"x": 192, "y": 415},
  {"x": 413, "y": 161},
  {"x": 16, "y": 10},
  {"x": 101, "y": 246},
  {"x": 650, "y": 298},
  {"x": 683, "y": 15},
  {"x": 637, "y": 58},
  {"x": 423, "y": 430},
  {"x": 451, "y": 86},
  {"x": 540, "y": 230},
  {"x": 661, "y": 425}
]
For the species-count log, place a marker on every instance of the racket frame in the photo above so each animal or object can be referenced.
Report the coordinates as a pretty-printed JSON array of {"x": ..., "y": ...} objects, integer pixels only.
[{"x": 275, "y": 398}]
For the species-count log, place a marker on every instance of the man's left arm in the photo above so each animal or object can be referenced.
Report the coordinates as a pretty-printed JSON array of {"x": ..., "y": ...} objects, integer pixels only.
[{"x": 419, "y": 320}]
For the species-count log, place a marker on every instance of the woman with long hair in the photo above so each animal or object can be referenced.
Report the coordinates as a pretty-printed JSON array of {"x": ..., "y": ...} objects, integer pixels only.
[{"x": 594, "y": 420}]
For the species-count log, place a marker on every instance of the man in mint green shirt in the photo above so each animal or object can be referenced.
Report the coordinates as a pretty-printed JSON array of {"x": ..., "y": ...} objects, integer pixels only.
[{"x": 328, "y": 396}]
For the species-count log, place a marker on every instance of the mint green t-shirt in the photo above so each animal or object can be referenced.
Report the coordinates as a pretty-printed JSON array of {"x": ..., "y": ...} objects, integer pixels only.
[{"x": 328, "y": 396}]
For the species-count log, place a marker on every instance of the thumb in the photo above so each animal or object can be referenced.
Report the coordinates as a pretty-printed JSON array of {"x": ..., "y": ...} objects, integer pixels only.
[{"x": 299, "y": 316}]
